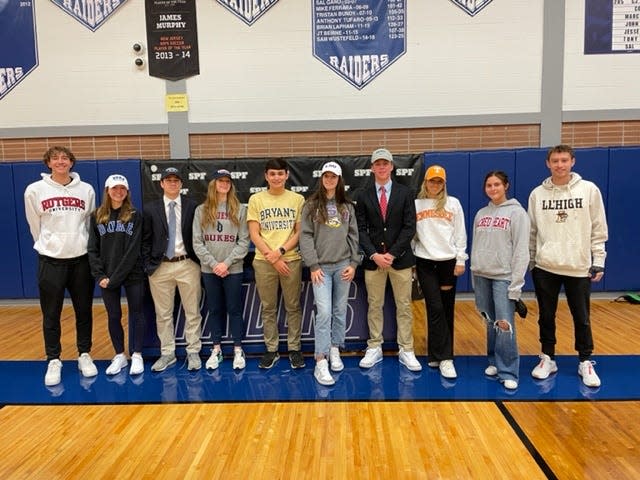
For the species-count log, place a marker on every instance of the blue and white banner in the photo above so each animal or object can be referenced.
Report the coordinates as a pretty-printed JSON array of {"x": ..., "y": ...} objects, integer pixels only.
[
  {"x": 248, "y": 10},
  {"x": 18, "y": 43},
  {"x": 611, "y": 26},
  {"x": 359, "y": 39},
  {"x": 91, "y": 13},
  {"x": 472, "y": 6}
]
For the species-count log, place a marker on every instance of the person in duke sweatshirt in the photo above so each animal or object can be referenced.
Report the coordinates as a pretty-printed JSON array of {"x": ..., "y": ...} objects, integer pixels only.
[
  {"x": 329, "y": 247},
  {"x": 221, "y": 241},
  {"x": 499, "y": 261},
  {"x": 57, "y": 210},
  {"x": 115, "y": 239},
  {"x": 567, "y": 247}
]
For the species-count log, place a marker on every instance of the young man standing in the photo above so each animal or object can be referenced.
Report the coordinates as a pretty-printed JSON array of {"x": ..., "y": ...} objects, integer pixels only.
[
  {"x": 386, "y": 217},
  {"x": 274, "y": 217},
  {"x": 58, "y": 208},
  {"x": 170, "y": 261},
  {"x": 568, "y": 234}
]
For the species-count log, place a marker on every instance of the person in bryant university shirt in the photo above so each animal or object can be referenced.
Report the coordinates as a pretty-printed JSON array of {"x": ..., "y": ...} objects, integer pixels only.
[
  {"x": 57, "y": 210},
  {"x": 567, "y": 248},
  {"x": 115, "y": 239},
  {"x": 170, "y": 261},
  {"x": 386, "y": 217}
]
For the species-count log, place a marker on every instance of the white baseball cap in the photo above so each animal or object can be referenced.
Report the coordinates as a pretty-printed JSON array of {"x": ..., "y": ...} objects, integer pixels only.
[
  {"x": 116, "y": 179},
  {"x": 381, "y": 154},
  {"x": 332, "y": 167}
]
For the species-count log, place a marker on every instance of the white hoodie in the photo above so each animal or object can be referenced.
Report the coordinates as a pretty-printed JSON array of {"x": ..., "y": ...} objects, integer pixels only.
[
  {"x": 58, "y": 216},
  {"x": 568, "y": 227}
]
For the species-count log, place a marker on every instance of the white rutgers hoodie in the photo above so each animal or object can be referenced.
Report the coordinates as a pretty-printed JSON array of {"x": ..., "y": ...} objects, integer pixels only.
[
  {"x": 568, "y": 227},
  {"x": 58, "y": 216}
]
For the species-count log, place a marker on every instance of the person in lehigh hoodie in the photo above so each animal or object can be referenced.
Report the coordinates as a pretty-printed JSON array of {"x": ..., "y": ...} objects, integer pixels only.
[
  {"x": 57, "y": 210},
  {"x": 499, "y": 261}
]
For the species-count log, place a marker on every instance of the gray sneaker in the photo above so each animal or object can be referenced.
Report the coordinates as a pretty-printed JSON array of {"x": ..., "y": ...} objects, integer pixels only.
[
  {"x": 163, "y": 362},
  {"x": 193, "y": 361}
]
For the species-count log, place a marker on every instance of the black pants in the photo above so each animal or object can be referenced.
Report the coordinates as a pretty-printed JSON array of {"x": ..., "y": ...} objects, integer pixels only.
[
  {"x": 54, "y": 276},
  {"x": 112, "y": 303},
  {"x": 433, "y": 275},
  {"x": 578, "y": 292}
]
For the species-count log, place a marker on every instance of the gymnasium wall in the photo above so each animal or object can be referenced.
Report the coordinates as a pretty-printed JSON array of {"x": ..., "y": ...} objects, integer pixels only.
[{"x": 614, "y": 170}]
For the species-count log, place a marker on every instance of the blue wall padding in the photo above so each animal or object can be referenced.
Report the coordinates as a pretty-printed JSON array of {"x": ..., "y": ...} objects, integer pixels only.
[{"x": 615, "y": 170}]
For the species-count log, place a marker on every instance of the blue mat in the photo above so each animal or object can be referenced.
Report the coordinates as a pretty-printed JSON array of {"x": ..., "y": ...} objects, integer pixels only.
[{"x": 23, "y": 383}]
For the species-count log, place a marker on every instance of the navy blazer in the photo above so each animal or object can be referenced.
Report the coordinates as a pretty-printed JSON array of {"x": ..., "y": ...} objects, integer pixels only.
[
  {"x": 392, "y": 235},
  {"x": 155, "y": 236}
]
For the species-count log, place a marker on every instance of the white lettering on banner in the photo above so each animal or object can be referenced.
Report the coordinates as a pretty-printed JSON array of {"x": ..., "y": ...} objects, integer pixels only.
[
  {"x": 361, "y": 172},
  {"x": 9, "y": 76},
  {"x": 92, "y": 12},
  {"x": 299, "y": 189},
  {"x": 249, "y": 9},
  {"x": 239, "y": 175},
  {"x": 197, "y": 175},
  {"x": 404, "y": 172},
  {"x": 359, "y": 68},
  {"x": 256, "y": 189}
]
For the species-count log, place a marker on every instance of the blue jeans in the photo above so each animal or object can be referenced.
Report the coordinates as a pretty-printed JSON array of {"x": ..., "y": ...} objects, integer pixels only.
[
  {"x": 331, "y": 298},
  {"x": 224, "y": 297},
  {"x": 492, "y": 301}
]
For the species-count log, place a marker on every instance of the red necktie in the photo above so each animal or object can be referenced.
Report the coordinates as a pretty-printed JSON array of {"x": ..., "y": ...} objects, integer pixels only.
[{"x": 383, "y": 202}]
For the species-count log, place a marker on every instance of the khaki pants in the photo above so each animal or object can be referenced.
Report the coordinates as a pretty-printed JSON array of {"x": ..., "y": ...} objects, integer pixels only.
[
  {"x": 267, "y": 281},
  {"x": 186, "y": 276},
  {"x": 376, "y": 282}
]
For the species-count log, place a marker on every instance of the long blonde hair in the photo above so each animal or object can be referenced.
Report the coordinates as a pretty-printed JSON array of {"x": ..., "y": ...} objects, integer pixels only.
[
  {"x": 441, "y": 198},
  {"x": 103, "y": 212},
  {"x": 210, "y": 206}
]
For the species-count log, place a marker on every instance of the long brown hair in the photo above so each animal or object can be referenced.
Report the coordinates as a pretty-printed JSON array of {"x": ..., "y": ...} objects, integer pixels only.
[
  {"x": 210, "y": 206},
  {"x": 318, "y": 201},
  {"x": 103, "y": 212}
]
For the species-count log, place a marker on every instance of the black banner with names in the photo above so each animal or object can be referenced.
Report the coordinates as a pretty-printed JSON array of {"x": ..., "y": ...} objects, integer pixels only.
[{"x": 172, "y": 38}]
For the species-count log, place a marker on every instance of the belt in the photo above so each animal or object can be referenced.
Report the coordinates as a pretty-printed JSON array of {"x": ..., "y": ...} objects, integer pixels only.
[{"x": 175, "y": 259}]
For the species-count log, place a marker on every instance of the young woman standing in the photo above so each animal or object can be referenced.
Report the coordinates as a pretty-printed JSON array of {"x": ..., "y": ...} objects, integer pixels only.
[
  {"x": 440, "y": 248},
  {"x": 329, "y": 247},
  {"x": 221, "y": 241},
  {"x": 115, "y": 237},
  {"x": 499, "y": 261}
]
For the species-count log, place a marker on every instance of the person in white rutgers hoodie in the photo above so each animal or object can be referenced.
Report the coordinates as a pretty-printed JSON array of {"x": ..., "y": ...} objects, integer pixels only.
[
  {"x": 567, "y": 247},
  {"x": 58, "y": 209}
]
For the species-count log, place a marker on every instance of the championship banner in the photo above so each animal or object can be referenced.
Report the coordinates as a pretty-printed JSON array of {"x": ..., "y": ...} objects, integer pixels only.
[
  {"x": 359, "y": 39},
  {"x": 472, "y": 6},
  {"x": 18, "y": 43},
  {"x": 248, "y": 177},
  {"x": 91, "y": 13},
  {"x": 248, "y": 10},
  {"x": 172, "y": 38},
  {"x": 611, "y": 26}
]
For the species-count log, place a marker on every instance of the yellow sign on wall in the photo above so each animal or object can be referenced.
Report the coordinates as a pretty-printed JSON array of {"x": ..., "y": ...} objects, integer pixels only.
[{"x": 176, "y": 102}]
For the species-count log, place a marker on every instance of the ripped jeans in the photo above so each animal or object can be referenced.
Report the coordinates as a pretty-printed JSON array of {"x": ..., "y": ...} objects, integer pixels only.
[{"x": 492, "y": 301}]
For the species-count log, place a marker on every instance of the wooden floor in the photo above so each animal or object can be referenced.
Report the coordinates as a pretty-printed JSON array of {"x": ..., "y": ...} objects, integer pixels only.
[{"x": 334, "y": 440}]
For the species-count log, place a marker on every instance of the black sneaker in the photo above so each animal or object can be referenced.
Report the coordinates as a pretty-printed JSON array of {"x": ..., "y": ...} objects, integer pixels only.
[
  {"x": 268, "y": 360},
  {"x": 296, "y": 359}
]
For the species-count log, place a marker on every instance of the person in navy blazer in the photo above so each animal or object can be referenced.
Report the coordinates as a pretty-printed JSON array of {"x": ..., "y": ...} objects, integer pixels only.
[
  {"x": 168, "y": 270},
  {"x": 385, "y": 238}
]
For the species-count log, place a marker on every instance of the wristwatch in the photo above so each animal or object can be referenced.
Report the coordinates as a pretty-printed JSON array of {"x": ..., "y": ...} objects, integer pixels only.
[{"x": 282, "y": 250}]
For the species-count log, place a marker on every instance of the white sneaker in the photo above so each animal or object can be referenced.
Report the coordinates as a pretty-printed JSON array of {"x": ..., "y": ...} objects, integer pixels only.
[
  {"x": 491, "y": 371},
  {"x": 335, "y": 360},
  {"x": 239, "y": 361},
  {"x": 588, "y": 373},
  {"x": 447, "y": 370},
  {"x": 510, "y": 384},
  {"x": 372, "y": 356},
  {"x": 214, "y": 361},
  {"x": 54, "y": 373},
  {"x": 434, "y": 364},
  {"x": 321, "y": 372},
  {"x": 117, "y": 364},
  {"x": 544, "y": 368},
  {"x": 137, "y": 364},
  {"x": 86, "y": 366},
  {"x": 409, "y": 360}
]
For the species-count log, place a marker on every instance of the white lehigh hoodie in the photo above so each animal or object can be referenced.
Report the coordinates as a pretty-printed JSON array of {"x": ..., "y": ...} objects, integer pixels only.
[
  {"x": 568, "y": 227},
  {"x": 58, "y": 216}
]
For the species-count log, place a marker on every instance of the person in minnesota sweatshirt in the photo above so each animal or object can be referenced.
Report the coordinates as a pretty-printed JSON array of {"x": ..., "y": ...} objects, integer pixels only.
[
  {"x": 567, "y": 247},
  {"x": 499, "y": 260}
]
